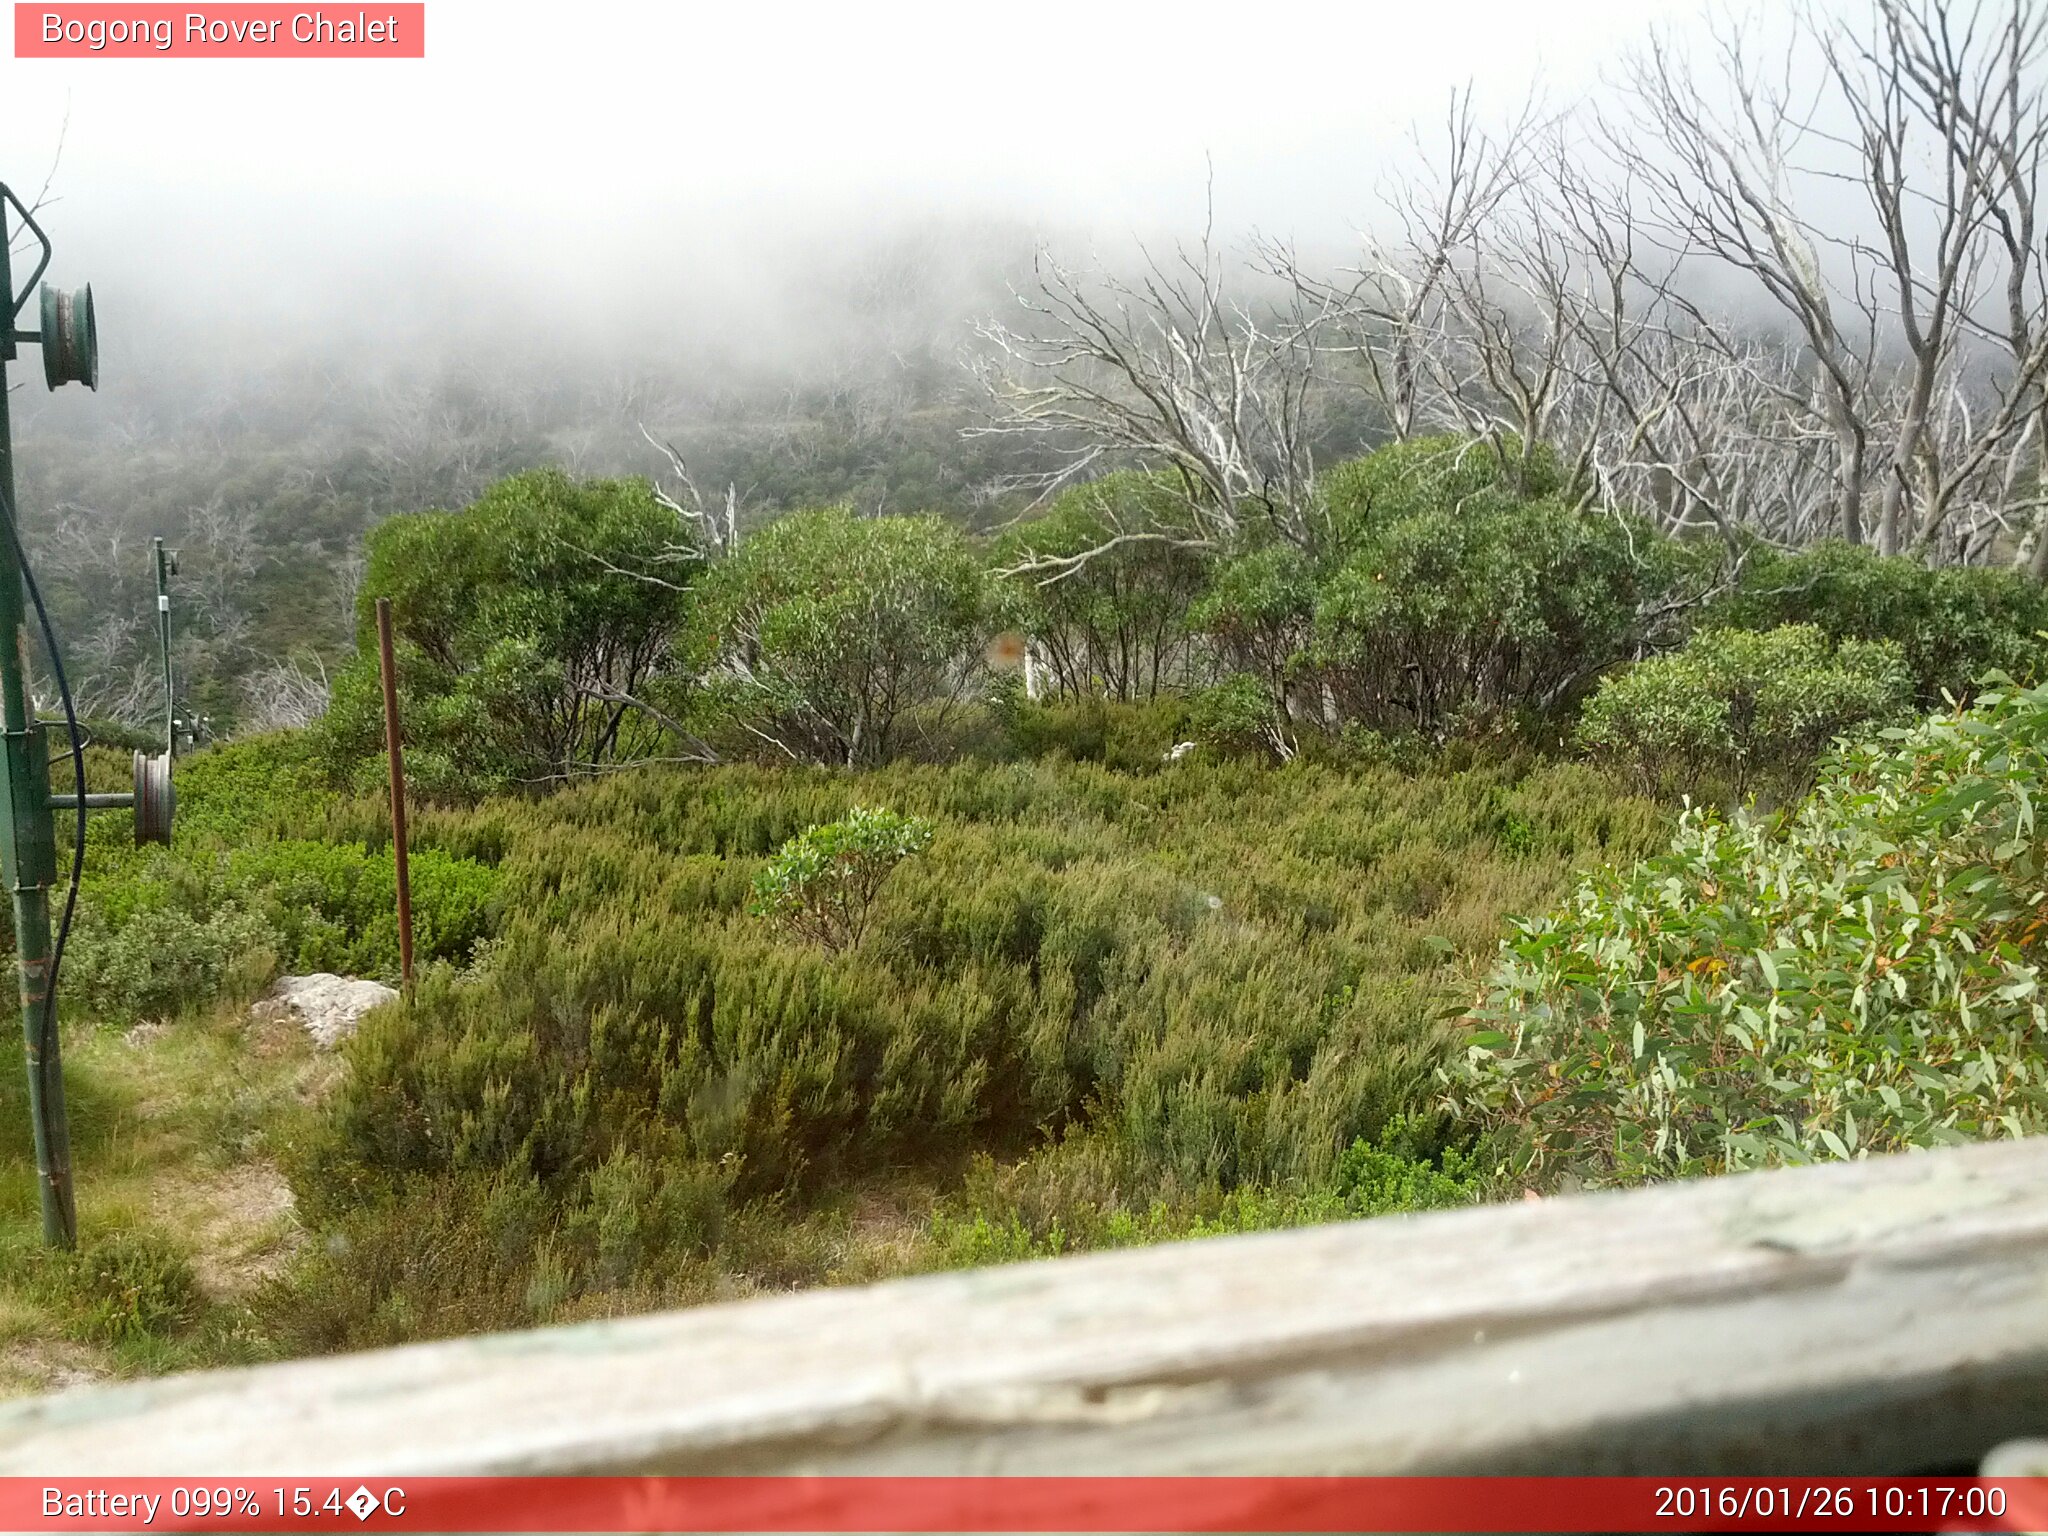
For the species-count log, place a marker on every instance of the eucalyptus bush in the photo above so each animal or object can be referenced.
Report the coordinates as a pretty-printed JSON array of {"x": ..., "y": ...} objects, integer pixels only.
[
  {"x": 1954, "y": 623},
  {"x": 822, "y": 883},
  {"x": 822, "y": 634},
  {"x": 1114, "y": 624},
  {"x": 1859, "y": 975},
  {"x": 528, "y": 624},
  {"x": 1738, "y": 710}
]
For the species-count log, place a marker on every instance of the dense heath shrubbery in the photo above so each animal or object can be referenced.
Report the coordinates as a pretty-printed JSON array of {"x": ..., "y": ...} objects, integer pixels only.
[
  {"x": 1860, "y": 974},
  {"x": 1955, "y": 624},
  {"x": 266, "y": 872},
  {"x": 1180, "y": 996}
]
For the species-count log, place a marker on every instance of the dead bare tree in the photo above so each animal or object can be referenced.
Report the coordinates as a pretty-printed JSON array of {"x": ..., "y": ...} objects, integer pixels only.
[
  {"x": 285, "y": 695},
  {"x": 1393, "y": 313},
  {"x": 1952, "y": 87},
  {"x": 1172, "y": 368},
  {"x": 1716, "y": 144},
  {"x": 713, "y": 531}
]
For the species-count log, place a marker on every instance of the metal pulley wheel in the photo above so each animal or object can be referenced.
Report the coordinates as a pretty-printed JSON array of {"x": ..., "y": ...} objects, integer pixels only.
[
  {"x": 155, "y": 798},
  {"x": 71, "y": 338}
]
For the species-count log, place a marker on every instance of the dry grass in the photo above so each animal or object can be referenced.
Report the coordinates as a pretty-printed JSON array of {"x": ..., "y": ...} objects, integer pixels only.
[{"x": 175, "y": 1127}]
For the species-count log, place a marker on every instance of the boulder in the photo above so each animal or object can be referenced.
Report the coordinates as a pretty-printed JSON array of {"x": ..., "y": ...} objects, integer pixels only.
[{"x": 328, "y": 1006}]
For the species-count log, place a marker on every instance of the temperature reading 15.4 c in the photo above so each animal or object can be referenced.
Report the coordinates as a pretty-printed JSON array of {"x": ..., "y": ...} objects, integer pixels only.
[{"x": 363, "y": 1501}]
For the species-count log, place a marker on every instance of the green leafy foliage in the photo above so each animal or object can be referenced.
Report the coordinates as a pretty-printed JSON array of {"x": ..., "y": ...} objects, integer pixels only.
[
  {"x": 1859, "y": 975},
  {"x": 1456, "y": 592},
  {"x": 1115, "y": 624},
  {"x": 822, "y": 883},
  {"x": 1456, "y": 618},
  {"x": 527, "y": 623},
  {"x": 1738, "y": 710},
  {"x": 825, "y": 629},
  {"x": 1259, "y": 613},
  {"x": 1427, "y": 477},
  {"x": 249, "y": 885},
  {"x": 1234, "y": 717},
  {"x": 1954, "y": 623}
]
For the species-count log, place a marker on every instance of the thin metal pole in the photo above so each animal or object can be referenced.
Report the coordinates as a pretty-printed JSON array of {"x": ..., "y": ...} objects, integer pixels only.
[
  {"x": 389, "y": 667},
  {"x": 163, "y": 634},
  {"x": 28, "y": 803}
]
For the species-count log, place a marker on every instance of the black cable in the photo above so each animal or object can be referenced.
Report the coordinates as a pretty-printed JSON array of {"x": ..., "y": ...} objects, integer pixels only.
[{"x": 28, "y": 580}]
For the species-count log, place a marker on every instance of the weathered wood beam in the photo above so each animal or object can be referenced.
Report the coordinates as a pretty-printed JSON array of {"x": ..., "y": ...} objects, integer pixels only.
[{"x": 1883, "y": 1316}]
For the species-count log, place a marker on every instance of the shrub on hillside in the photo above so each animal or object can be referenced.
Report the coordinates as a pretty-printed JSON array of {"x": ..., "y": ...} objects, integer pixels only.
[
  {"x": 1954, "y": 623},
  {"x": 1737, "y": 711},
  {"x": 1223, "y": 974},
  {"x": 1235, "y": 717},
  {"x": 825, "y": 629},
  {"x": 1454, "y": 590},
  {"x": 822, "y": 883},
  {"x": 1115, "y": 624},
  {"x": 1259, "y": 615},
  {"x": 1859, "y": 975},
  {"x": 164, "y": 960},
  {"x": 525, "y": 624},
  {"x": 269, "y": 868},
  {"x": 1428, "y": 476},
  {"x": 1459, "y": 618}
]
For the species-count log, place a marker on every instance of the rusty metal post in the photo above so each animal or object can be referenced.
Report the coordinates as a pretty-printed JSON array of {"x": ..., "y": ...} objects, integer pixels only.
[{"x": 388, "y": 665}]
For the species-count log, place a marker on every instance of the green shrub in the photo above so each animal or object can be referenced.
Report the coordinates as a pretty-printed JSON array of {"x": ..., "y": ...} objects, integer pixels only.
[
  {"x": 825, "y": 628},
  {"x": 1737, "y": 710},
  {"x": 126, "y": 1288},
  {"x": 524, "y": 622},
  {"x": 334, "y": 905},
  {"x": 1132, "y": 738},
  {"x": 1459, "y": 619},
  {"x": 1115, "y": 625},
  {"x": 1954, "y": 623},
  {"x": 1259, "y": 613},
  {"x": 822, "y": 884},
  {"x": 1235, "y": 717},
  {"x": 1860, "y": 975},
  {"x": 1430, "y": 476},
  {"x": 268, "y": 867},
  {"x": 165, "y": 960}
]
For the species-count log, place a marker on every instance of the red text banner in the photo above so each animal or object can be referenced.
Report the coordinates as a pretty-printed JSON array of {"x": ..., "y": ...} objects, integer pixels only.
[
  {"x": 1016, "y": 1504},
  {"x": 225, "y": 31}
]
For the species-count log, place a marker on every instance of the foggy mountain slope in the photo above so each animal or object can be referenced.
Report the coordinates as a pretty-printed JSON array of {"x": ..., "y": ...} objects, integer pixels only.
[{"x": 265, "y": 466}]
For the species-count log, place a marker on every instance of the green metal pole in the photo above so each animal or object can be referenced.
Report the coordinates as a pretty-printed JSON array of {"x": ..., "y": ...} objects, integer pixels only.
[
  {"x": 163, "y": 635},
  {"x": 28, "y": 839}
]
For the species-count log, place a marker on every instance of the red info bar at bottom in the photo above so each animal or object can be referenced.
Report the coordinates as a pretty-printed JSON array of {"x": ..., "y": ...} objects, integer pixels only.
[
  {"x": 1017, "y": 1504},
  {"x": 222, "y": 31}
]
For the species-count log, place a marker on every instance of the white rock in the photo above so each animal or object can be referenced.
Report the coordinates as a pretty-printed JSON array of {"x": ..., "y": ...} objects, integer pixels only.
[
  {"x": 329, "y": 1006},
  {"x": 1177, "y": 751}
]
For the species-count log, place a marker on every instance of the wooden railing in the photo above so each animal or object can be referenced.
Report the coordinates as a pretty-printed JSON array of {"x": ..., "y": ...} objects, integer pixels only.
[{"x": 1883, "y": 1316}]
